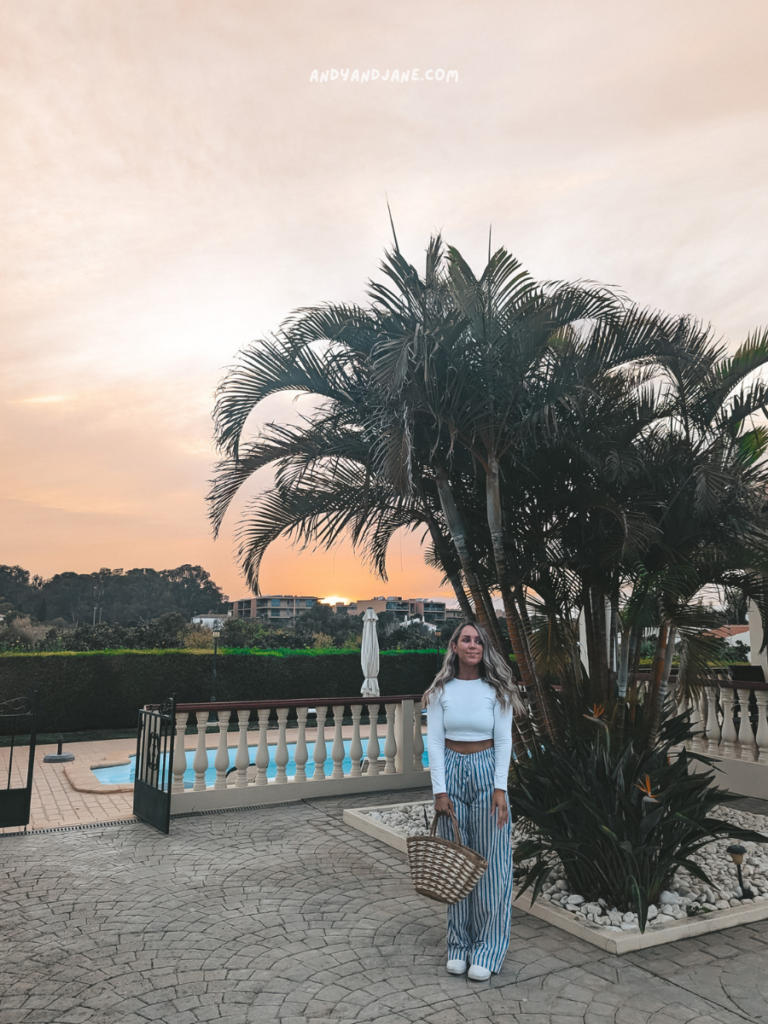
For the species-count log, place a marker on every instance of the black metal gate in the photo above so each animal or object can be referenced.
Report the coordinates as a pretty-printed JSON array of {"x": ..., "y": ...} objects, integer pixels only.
[
  {"x": 154, "y": 765},
  {"x": 17, "y": 718}
]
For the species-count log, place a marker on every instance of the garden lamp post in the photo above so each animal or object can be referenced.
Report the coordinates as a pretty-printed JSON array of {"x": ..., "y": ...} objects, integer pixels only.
[
  {"x": 438, "y": 634},
  {"x": 737, "y": 856}
]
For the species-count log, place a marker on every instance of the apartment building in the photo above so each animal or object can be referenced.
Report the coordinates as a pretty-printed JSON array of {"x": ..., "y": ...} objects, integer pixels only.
[
  {"x": 272, "y": 607},
  {"x": 285, "y": 608},
  {"x": 407, "y": 608}
]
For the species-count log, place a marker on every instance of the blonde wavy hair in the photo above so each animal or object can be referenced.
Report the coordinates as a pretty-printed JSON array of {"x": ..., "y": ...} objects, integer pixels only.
[{"x": 494, "y": 670}]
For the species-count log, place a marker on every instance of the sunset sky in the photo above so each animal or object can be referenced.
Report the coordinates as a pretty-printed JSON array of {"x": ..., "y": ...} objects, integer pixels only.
[{"x": 173, "y": 184}]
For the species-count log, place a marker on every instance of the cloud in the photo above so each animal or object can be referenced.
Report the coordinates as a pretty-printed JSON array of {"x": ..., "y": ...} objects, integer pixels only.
[
  {"x": 43, "y": 399},
  {"x": 173, "y": 186}
]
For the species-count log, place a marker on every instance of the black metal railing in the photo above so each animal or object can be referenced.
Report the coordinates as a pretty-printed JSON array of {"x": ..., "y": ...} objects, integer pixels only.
[{"x": 18, "y": 718}]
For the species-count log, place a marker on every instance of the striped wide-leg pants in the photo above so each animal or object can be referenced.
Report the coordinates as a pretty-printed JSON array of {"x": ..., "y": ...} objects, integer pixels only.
[{"x": 478, "y": 926}]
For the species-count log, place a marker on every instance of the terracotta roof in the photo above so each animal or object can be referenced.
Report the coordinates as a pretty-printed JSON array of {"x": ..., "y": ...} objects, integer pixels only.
[{"x": 723, "y": 632}]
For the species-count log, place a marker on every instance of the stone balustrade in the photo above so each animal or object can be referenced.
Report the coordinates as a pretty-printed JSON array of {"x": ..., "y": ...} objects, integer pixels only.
[
  {"x": 730, "y": 722},
  {"x": 382, "y": 754}
]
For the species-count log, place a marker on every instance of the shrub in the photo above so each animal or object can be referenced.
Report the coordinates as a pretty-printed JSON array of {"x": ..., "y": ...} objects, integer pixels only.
[
  {"x": 109, "y": 637},
  {"x": 200, "y": 639},
  {"x": 620, "y": 818},
  {"x": 102, "y": 690},
  {"x": 322, "y": 641}
]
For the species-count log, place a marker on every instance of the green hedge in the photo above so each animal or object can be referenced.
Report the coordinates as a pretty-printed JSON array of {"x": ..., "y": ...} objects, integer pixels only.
[{"x": 103, "y": 690}]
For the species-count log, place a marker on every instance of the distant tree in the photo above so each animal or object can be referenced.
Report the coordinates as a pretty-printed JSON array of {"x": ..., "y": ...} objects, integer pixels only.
[
  {"x": 323, "y": 619},
  {"x": 19, "y": 587},
  {"x": 387, "y": 622},
  {"x": 193, "y": 591},
  {"x": 172, "y": 623},
  {"x": 738, "y": 651},
  {"x": 130, "y": 598},
  {"x": 413, "y": 637},
  {"x": 260, "y": 636}
]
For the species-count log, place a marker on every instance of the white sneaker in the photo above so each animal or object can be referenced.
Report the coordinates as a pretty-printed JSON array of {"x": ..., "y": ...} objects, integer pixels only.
[
  {"x": 456, "y": 966},
  {"x": 479, "y": 973}
]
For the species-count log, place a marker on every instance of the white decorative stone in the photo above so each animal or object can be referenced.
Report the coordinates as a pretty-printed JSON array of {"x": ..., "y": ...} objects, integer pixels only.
[{"x": 669, "y": 898}]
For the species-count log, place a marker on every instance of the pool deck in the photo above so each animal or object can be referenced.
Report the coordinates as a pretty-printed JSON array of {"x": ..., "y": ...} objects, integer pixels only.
[
  {"x": 70, "y": 794},
  {"x": 284, "y": 913}
]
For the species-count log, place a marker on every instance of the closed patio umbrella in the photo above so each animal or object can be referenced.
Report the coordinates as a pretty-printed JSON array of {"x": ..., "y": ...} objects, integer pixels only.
[{"x": 369, "y": 655}]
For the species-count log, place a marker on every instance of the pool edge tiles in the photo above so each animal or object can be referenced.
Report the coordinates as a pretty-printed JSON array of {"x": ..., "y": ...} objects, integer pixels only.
[{"x": 83, "y": 778}]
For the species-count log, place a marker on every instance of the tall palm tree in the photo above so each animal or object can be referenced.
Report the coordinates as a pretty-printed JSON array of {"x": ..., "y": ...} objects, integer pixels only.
[{"x": 546, "y": 439}]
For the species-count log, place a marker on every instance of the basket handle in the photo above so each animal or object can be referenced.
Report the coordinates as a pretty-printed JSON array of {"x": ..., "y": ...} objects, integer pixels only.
[{"x": 456, "y": 833}]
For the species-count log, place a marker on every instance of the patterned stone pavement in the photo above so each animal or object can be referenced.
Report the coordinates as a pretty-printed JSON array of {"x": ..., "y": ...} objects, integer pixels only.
[{"x": 285, "y": 914}]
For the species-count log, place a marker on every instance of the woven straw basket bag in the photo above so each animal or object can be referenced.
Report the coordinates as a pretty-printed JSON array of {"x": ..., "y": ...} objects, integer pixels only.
[{"x": 443, "y": 869}]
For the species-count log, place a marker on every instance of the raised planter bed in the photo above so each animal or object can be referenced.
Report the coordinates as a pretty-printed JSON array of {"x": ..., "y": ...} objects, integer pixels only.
[{"x": 382, "y": 823}]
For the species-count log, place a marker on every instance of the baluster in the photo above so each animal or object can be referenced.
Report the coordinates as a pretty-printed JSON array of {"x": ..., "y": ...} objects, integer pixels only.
[
  {"x": 262, "y": 751},
  {"x": 241, "y": 757},
  {"x": 762, "y": 725},
  {"x": 685, "y": 704},
  {"x": 356, "y": 747},
  {"x": 179, "y": 753},
  {"x": 200, "y": 763},
  {"x": 746, "y": 736},
  {"x": 221, "y": 762},
  {"x": 701, "y": 743},
  {"x": 713, "y": 725},
  {"x": 372, "y": 749},
  {"x": 337, "y": 750},
  {"x": 418, "y": 740},
  {"x": 320, "y": 754},
  {"x": 390, "y": 744},
  {"x": 300, "y": 755},
  {"x": 281, "y": 754},
  {"x": 727, "y": 700}
]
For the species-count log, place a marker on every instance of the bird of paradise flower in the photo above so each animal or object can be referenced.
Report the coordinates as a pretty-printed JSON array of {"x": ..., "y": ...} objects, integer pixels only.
[
  {"x": 596, "y": 715},
  {"x": 646, "y": 789}
]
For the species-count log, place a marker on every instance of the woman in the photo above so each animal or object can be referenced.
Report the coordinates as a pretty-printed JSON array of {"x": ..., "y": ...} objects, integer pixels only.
[{"x": 469, "y": 738}]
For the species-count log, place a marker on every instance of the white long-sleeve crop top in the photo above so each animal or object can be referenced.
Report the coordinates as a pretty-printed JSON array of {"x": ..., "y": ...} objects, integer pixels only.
[{"x": 468, "y": 711}]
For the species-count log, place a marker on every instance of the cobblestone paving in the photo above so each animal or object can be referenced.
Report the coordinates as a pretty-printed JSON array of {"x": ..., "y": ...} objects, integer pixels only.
[{"x": 285, "y": 914}]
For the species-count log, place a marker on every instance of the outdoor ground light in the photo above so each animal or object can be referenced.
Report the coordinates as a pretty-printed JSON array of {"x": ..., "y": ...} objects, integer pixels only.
[{"x": 737, "y": 856}]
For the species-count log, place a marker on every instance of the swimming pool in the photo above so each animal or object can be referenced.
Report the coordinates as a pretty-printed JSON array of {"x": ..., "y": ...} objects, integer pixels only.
[{"x": 124, "y": 773}]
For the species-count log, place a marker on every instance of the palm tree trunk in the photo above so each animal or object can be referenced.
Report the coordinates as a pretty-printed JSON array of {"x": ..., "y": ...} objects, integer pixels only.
[
  {"x": 524, "y": 627},
  {"x": 461, "y": 595},
  {"x": 517, "y": 634},
  {"x": 523, "y": 608},
  {"x": 628, "y": 644},
  {"x": 458, "y": 536},
  {"x": 522, "y": 738},
  {"x": 613, "y": 640},
  {"x": 661, "y": 692},
  {"x": 490, "y": 612},
  {"x": 447, "y": 562},
  {"x": 597, "y": 640},
  {"x": 635, "y": 659},
  {"x": 654, "y": 686}
]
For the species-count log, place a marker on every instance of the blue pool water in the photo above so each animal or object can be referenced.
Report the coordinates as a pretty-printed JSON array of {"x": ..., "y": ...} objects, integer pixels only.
[{"x": 123, "y": 773}]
